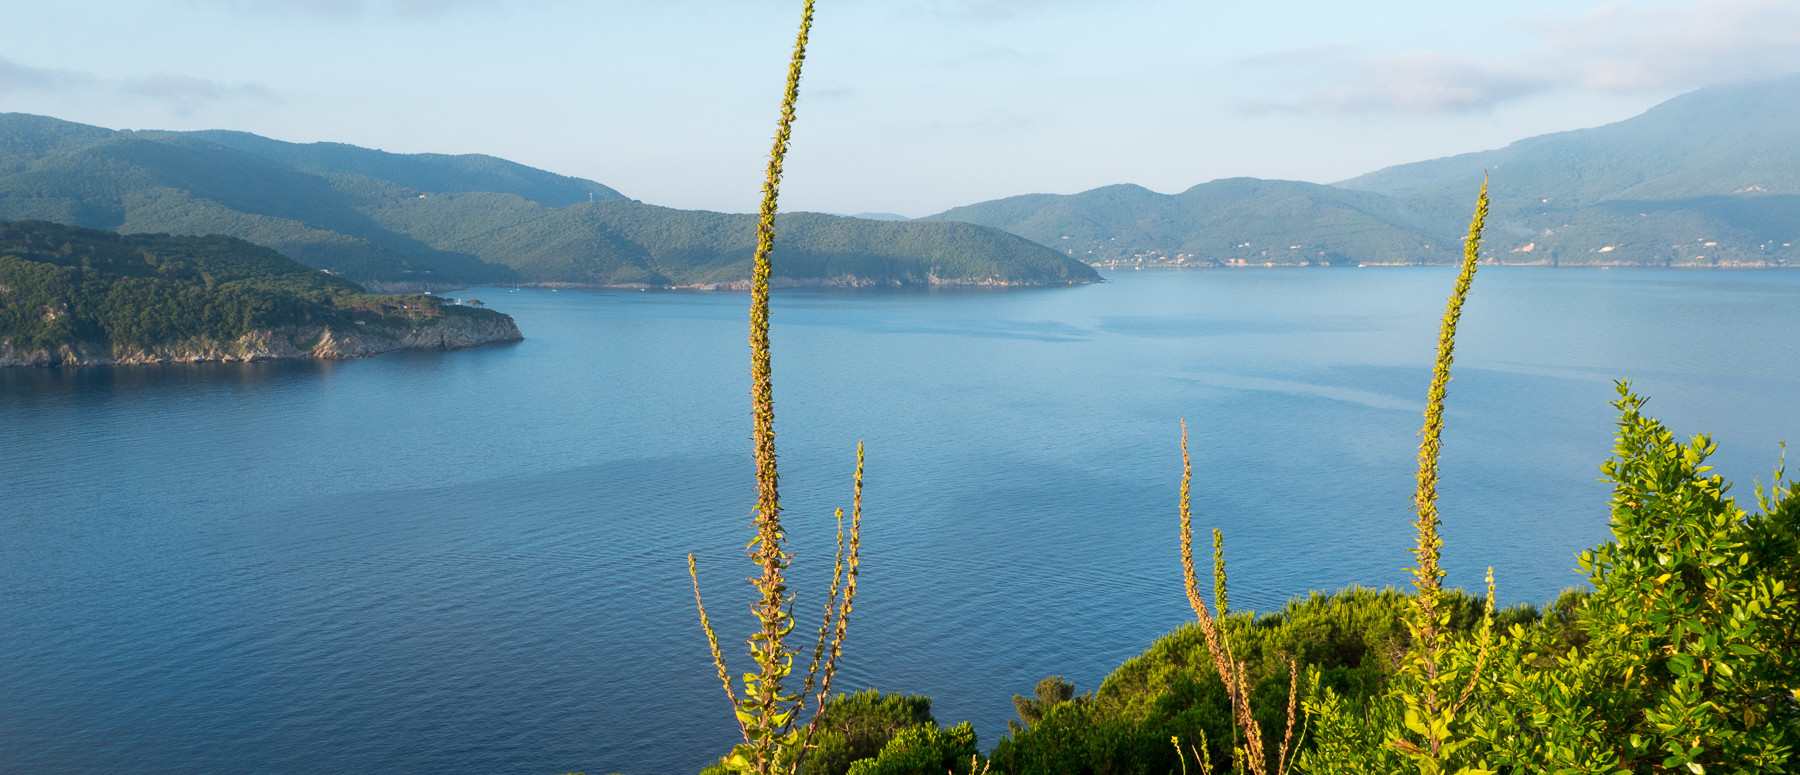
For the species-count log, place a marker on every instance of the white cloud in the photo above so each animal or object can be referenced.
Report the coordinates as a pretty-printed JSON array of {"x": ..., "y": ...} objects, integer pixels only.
[
  {"x": 994, "y": 9},
  {"x": 345, "y": 8},
  {"x": 179, "y": 93},
  {"x": 1429, "y": 81},
  {"x": 15, "y": 77},
  {"x": 186, "y": 93},
  {"x": 1615, "y": 48},
  {"x": 1624, "y": 48}
]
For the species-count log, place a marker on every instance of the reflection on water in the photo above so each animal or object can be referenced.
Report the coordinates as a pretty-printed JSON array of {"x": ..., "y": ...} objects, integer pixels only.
[{"x": 471, "y": 562}]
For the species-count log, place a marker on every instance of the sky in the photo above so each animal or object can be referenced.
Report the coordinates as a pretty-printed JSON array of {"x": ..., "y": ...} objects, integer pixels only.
[{"x": 907, "y": 106}]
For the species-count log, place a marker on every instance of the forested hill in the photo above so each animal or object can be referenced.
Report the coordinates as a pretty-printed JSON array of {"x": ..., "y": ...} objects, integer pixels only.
[
  {"x": 1239, "y": 220},
  {"x": 1710, "y": 178},
  {"x": 70, "y": 295},
  {"x": 393, "y": 221},
  {"x": 423, "y": 171}
]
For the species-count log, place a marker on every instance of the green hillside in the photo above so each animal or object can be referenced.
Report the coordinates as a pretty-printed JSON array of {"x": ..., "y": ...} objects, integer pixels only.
[
  {"x": 1239, "y": 220},
  {"x": 1720, "y": 165},
  {"x": 111, "y": 294},
  {"x": 617, "y": 242},
  {"x": 423, "y": 171},
  {"x": 394, "y": 221}
]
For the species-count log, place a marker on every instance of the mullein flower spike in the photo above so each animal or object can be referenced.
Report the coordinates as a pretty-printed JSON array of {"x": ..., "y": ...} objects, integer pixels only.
[
  {"x": 768, "y": 714},
  {"x": 1233, "y": 673},
  {"x": 1428, "y": 620}
]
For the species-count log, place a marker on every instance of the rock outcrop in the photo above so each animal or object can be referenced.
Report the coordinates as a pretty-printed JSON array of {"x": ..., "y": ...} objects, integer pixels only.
[{"x": 446, "y": 332}]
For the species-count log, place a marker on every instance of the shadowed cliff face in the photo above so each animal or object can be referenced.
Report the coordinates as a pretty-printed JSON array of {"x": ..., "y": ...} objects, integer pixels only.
[{"x": 441, "y": 333}]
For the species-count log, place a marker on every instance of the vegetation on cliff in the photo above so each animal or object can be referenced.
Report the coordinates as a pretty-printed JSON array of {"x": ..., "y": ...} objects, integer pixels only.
[{"x": 111, "y": 294}]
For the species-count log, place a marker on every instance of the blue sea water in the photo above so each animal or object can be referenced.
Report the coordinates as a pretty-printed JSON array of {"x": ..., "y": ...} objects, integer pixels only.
[{"x": 473, "y": 562}]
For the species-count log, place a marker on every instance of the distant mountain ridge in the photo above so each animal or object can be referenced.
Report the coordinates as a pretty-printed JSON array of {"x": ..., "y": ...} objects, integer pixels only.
[
  {"x": 412, "y": 221},
  {"x": 1232, "y": 221},
  {"x": 1709, "y": 178}
]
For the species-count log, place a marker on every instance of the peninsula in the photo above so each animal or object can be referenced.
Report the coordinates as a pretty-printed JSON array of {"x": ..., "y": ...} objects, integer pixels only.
[{"x": 71, "y": 296}]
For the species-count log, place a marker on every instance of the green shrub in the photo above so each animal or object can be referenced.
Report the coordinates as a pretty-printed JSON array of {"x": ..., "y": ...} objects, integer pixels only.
[
  {"x": 1684, "y": 658},
  {"x": 926, "y": 749},
  {"x": 858, "y": 726},
  {"x": 1688, "y": 654}
]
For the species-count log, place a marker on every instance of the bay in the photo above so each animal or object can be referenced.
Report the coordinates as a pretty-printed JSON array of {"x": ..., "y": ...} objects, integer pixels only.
[{"x": 473, "y": 562}]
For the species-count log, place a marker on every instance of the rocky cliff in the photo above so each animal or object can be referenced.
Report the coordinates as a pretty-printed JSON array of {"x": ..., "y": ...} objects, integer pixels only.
[{"x": 447, "y": 332}]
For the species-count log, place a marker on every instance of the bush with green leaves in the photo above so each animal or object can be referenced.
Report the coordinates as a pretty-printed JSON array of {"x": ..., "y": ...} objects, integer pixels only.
[
  {"x": 1352, "y": 641},
  {"x": 1685, "y": 657},
  {"x": 1691, "y": 659},
  {"x": 853, "y": 727},
  {"x": 1048, "y": 693},
  {"x": 858, "y": 726},
  {"x": 927, "y": 749}
]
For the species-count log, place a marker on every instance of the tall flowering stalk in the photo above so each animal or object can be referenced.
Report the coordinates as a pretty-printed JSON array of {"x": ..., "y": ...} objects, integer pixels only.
[
  {"x": 1433, "y": 707},
  {"x": 768, "y": 714},
  {"x": 1250, "y": 756}
]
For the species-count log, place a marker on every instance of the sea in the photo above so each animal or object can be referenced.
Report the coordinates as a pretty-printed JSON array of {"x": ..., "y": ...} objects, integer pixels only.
[{"x": 475, "y": 562}]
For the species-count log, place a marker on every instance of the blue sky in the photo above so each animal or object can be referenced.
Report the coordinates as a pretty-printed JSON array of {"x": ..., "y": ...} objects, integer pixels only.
[{"x": 908, "y": 106}]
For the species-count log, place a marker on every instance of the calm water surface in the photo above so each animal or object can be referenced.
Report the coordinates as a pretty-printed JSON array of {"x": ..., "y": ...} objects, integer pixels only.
[{"x": 473, "y": 562}]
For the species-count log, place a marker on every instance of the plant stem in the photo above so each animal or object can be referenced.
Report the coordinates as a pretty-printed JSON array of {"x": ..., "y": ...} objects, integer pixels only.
[{"x": 1428, "y": 576}]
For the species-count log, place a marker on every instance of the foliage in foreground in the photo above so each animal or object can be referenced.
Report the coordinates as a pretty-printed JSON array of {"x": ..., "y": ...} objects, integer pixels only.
[
  {"x": 1683, "y": 659},
  {"x": 1352, "y": 642},
  {"x": 855, "y": 728}
]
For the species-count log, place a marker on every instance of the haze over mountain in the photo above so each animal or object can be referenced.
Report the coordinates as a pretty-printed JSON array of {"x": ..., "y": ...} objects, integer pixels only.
[
  {"x": 1708, "y": 178},
  {"x": 1719, "y": 165},
  {"x": 430, "y": 220},
  {"x": 1223, "y": 222}
]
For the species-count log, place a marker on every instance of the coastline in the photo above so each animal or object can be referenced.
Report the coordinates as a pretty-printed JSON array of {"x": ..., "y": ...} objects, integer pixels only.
[
  {"x": 287, "y": 342},
  {"x": 842, "y": 281},
  {"x": 1732, "y": 266}
]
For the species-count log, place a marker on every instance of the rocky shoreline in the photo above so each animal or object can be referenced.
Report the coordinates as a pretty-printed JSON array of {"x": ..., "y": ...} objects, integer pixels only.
[{"x": 447, "y": 332}]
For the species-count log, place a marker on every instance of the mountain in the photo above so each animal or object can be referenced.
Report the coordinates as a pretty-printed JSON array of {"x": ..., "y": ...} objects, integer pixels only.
[
  {"x": 398, "y": 221},
  {"x": 1709, "y": 178},
  {"x": 422, "y": 171},
  {"x": 1712, "y": 176},
  {"x": 75, "y": 296},
  {"x": 1233, "y": 221}
]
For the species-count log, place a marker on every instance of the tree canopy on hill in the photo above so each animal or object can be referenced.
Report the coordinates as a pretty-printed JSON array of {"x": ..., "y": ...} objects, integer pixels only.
[{"x": 423, "y": 171}]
